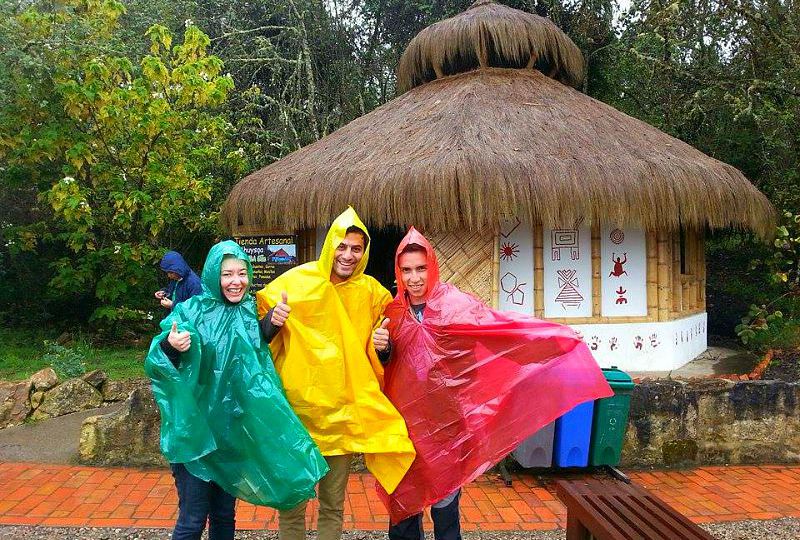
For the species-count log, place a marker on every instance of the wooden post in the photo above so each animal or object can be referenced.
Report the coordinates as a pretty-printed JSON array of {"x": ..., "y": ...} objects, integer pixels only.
[
  {"x": 701, "y": 271},
  {"x": 652, "y": 275},
  {"x": 677, "y": 287},
  {"x": 496, "y": 271},
  {"x": 538, "y": 272},
  {"x": 664, "y": 275},
  {"x": 307, "y": 240},
  {"x": 596, "y": 269}
]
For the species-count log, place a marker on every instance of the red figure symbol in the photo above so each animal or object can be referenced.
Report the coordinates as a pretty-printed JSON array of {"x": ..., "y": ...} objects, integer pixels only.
[
  {"x": 638, "y": 342},
  {"x": 621, "y": 292},
  {"x": 618, "y": 262}
]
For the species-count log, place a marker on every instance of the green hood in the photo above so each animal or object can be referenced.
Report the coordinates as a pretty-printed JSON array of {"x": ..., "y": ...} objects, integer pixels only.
[{"x": 213, "y": 267}]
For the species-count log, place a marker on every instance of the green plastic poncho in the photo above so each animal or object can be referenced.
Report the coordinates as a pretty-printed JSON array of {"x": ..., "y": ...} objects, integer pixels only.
[{"x": 224, "y": 414}]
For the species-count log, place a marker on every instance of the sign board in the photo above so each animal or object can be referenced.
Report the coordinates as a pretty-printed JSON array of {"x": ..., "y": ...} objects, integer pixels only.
[{"x": 270, "y": 255}]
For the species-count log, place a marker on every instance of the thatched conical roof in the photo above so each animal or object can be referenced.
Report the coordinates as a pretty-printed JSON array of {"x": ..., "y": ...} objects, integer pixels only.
[
  {"x": 490, "y": 35},
  {"x": 460, "y": 151}
]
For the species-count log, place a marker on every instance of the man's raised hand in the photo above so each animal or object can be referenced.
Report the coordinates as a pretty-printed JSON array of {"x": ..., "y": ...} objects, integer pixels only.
[
  {"x": 180, "y": 341},
  {"x": 281, "y": 311},
  {"x": 380, "y": 337}
]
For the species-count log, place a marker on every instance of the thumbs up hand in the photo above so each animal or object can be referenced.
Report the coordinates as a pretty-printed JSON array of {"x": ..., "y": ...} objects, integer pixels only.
[
  {"x": 181, "y": 341},
  {"x": 281, "y": 311},
  {"x": 380, "y": 337}
]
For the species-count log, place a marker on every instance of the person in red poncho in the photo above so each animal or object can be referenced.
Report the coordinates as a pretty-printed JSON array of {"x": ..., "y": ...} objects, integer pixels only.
[{"x": 471, "y": 383}]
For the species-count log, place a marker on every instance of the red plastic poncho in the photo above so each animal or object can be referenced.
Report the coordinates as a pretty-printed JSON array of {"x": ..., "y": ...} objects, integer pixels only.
[{"x": 472, "y": 383}]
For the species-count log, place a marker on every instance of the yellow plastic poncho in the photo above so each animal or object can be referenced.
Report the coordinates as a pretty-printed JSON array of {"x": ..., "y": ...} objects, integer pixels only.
[{"x": 328, "y": 365}]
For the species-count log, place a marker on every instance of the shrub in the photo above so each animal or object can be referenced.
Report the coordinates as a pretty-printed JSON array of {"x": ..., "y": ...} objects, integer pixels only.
[{"x": 67, "y": 362}]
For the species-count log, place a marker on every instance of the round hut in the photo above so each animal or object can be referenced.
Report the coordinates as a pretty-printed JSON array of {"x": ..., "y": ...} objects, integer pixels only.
[{"x": 538, "y": 198}]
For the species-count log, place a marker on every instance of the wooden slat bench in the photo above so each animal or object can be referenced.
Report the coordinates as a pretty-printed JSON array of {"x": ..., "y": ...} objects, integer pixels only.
[{"x": 608, "y": 509}]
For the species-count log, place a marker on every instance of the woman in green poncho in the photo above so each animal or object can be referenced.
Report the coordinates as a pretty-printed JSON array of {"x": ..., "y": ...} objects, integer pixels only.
[{"x": 226, "y": 427}]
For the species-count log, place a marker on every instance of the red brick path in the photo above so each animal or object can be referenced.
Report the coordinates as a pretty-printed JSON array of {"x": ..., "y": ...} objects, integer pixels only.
[{"x": 38, "y": 494}]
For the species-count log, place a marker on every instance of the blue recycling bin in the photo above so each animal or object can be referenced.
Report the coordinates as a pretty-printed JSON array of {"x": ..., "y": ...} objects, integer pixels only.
[
  {"x": 573, "y": 436},
  {"x": 536, "y": 450}
]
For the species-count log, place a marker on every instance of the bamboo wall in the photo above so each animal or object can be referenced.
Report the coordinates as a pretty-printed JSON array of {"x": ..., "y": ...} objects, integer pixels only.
[{"x": 469, "y": 261}]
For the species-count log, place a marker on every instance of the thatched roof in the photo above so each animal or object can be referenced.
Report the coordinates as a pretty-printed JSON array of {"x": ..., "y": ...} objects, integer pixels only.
[
  {"x": 460, "y": 151},
  {"x": 490, "y": 35}
]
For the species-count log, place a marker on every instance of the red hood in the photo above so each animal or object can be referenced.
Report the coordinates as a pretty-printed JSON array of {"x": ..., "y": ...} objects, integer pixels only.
[{"x": 413, "y": 236}]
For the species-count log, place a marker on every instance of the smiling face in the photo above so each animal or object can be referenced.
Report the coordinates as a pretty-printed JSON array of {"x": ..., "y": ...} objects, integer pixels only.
[
  {"x": 233, "y": 279},
  {"x": 414, "y": 273},
  {"x": 347, "y": 256}
]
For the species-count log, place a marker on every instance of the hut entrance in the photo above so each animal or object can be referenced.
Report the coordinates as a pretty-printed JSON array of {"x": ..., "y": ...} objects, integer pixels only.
[{"x": 381, "y": 255}]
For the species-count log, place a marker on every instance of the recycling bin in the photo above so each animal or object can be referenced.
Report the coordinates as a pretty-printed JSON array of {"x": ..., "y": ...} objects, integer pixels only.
[
  {"x": 537, "y": 450},
  {"x": 611, "y": 419},
  {"x": 572, "y": 437}
]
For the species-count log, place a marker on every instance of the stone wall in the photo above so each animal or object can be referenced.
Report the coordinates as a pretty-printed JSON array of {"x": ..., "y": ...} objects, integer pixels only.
[
  {"x": 672, "y": 423},
  {"x": 714, "y": 421},
  {"x": 44, "y": 396}
]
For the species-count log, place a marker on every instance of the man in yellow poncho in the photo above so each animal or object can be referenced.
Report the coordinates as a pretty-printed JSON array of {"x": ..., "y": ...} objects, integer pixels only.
[{"x": 324, "y": 354}]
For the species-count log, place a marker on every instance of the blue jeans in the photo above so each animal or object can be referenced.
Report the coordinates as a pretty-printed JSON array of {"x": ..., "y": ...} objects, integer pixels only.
[
  {"x": 200, "y": 501},
  {"x": 446, "y": 525}
]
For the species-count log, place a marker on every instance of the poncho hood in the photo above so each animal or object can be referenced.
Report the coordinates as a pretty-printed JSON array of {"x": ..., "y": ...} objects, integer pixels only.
[
  {"x": 328, "y": 365},
  {"x": 336, "y": 234},
  {"x": 224, "y": 414},
  {"x": 415, "y": 237},
  {"x": 213, "y": 268},
  {"x": 472, "y": 383},
  {"x": 172, "y": 261}
]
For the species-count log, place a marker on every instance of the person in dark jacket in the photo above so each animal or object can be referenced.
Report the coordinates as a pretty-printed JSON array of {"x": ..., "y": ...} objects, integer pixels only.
[{"x": 183, "y": 282}]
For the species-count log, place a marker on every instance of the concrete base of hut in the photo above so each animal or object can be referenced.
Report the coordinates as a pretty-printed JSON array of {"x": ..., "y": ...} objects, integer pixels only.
[{"x": 648, "y": 346}]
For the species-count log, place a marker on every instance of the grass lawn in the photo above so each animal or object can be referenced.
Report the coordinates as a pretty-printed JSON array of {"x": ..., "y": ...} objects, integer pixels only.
[{"x": 21, "y": 353}]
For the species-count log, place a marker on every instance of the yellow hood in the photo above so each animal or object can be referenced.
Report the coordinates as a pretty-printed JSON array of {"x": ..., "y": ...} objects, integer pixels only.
[
  {"x": 328, "y": 366},
  {"x": 335, "y": 235}
]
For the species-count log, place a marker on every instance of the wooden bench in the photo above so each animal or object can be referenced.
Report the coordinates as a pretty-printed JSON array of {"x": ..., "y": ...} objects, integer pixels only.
[{"x": 608, "y": 509}]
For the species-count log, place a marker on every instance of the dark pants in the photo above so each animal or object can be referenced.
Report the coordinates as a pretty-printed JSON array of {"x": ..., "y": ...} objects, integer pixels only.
[
  {"x": 446, "y": 524},
  {"x": 200, "y": 501}
]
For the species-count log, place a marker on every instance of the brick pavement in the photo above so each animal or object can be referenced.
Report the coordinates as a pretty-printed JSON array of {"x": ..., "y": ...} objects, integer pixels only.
[{"x": 57, "y": 495}]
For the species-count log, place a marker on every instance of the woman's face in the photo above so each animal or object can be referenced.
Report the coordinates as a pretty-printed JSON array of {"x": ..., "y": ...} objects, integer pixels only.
[{"x": 233, "y": 279}]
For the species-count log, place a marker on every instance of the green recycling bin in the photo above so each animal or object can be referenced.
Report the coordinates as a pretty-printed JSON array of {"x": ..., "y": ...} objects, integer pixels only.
[{"x": 611, "y": 419}]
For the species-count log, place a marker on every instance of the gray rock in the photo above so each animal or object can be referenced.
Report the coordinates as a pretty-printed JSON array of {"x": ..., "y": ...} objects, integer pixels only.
[
  {"x": 15, "y": 403},
  {"x": 128, "y": 436},
  {"x": 121, "y": 390},
  {"x": 96, "y": 378},
  {"x": 71, "y": 396},
  {"x": 44, "y": 379}
]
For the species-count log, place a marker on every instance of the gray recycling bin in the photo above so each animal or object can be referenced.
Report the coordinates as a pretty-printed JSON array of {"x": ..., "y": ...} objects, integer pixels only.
[{"x": 537, "y": 450}]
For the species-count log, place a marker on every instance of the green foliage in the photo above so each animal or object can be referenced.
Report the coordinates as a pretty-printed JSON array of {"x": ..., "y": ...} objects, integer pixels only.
[
  {"x": 765, "y": 326},
  {"x": 22, "y": 354},
  {"x": 721, "y": 76},
  {"x": 762, "y": 329},
  {"x": 119, "y": 157},
  {"x": 67, "y": 362},
  {"x": 785, "y": 261}
]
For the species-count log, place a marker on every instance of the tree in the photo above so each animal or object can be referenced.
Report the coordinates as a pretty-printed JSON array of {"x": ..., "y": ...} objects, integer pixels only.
[{"x": 126, "y": 157}]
